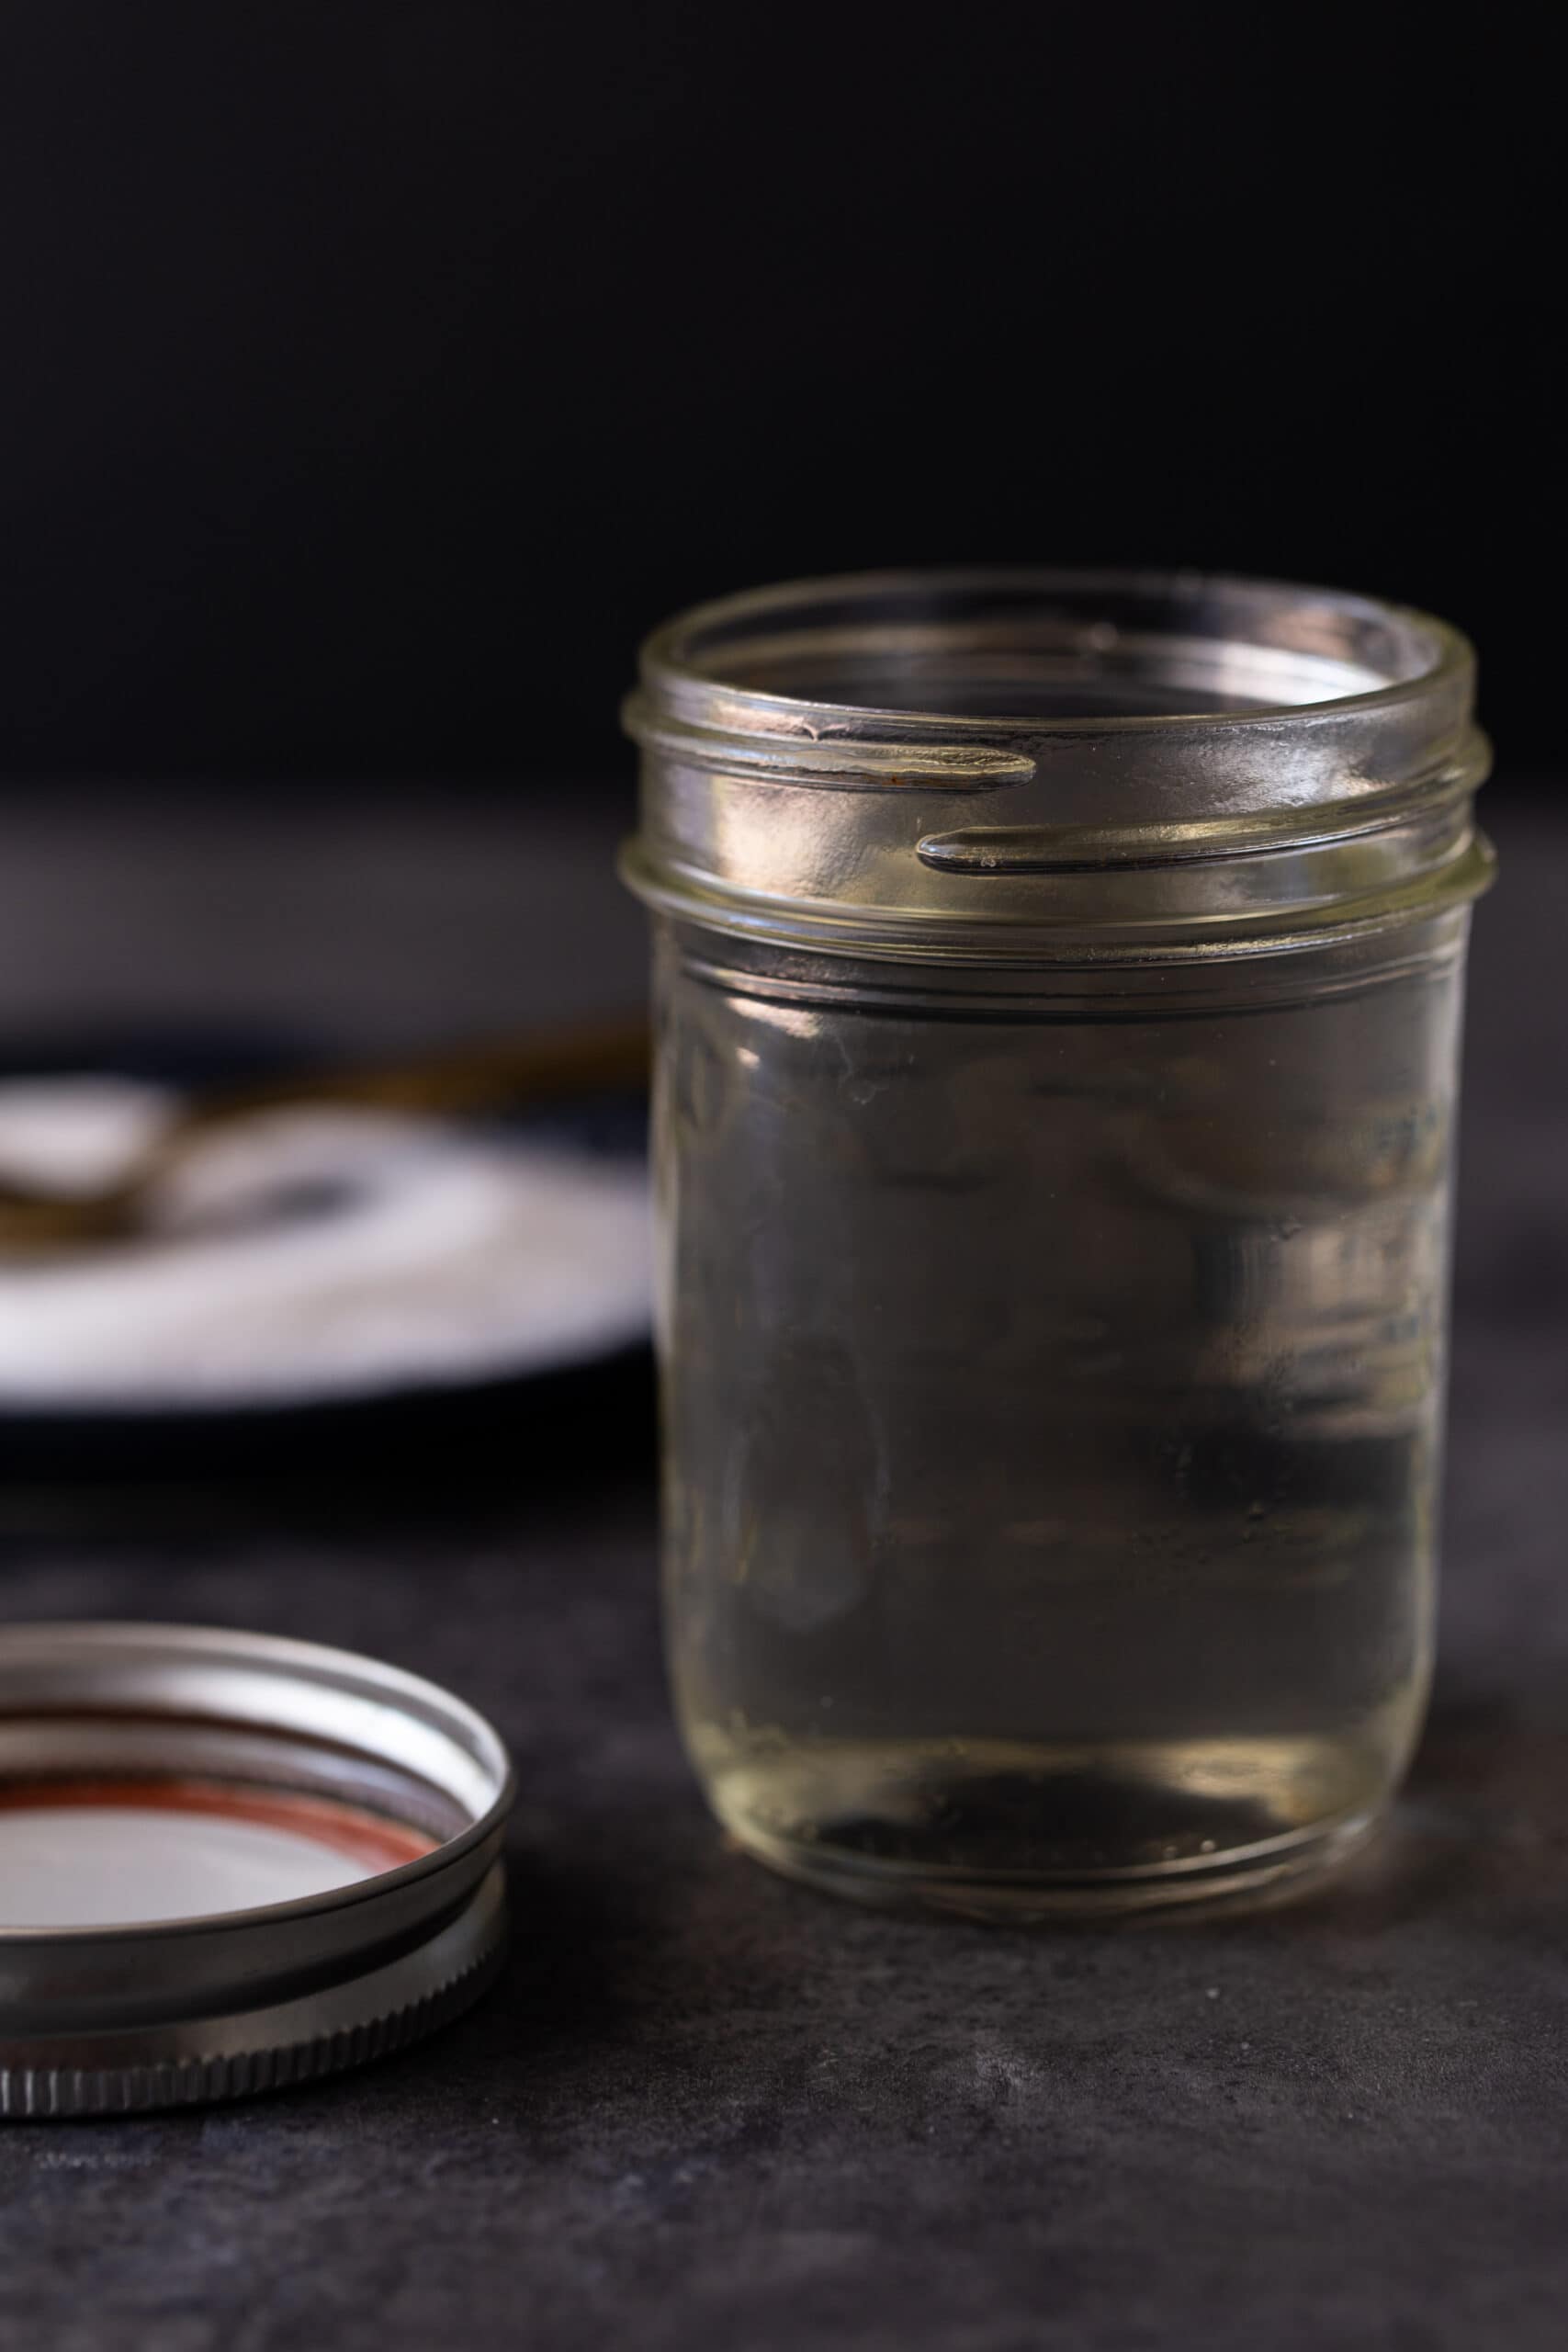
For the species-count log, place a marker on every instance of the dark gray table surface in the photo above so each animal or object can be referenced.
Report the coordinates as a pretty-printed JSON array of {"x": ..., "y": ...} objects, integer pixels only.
[{"x": 707, "y": 2108}]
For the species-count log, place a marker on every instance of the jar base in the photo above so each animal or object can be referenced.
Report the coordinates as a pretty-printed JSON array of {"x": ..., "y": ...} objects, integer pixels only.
[
  {"x": 1245, "y": 1882},
  {"x": 1042, "y": 1834}
]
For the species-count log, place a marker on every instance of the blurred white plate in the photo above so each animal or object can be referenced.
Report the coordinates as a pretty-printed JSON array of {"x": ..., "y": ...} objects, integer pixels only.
[{"x": 313, "y": 1256}]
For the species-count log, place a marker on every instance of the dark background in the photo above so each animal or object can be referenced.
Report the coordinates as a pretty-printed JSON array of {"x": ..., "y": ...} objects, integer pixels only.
[{"x": 376, "y": 371}]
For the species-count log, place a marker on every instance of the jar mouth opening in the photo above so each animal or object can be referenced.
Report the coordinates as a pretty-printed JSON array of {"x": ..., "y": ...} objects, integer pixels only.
[{"x": 1033, "y": 652}]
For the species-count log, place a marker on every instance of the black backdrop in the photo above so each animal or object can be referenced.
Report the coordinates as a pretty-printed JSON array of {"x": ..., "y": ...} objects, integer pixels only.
[{"x": 375, "y": 371}]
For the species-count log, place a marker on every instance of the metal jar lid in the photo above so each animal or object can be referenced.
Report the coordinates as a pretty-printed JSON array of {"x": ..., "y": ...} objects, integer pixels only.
[{"x": 230, "y": 1862}]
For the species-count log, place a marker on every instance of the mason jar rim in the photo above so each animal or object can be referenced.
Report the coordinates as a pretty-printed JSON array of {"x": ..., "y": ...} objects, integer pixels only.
[
  {"x": 1034, "y": 764},
  {"x": 678, "y": 669}
]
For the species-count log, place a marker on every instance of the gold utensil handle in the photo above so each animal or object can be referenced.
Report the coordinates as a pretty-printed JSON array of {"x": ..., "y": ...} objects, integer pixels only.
[{"x": 543, "y": 1065}]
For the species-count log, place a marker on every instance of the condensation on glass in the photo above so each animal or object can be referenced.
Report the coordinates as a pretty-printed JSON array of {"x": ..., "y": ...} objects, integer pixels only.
[{"x": 1059, "y": 984}]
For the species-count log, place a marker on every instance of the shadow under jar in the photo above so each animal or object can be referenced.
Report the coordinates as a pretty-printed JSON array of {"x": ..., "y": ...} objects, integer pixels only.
[{"x": 1058, "y": 983}]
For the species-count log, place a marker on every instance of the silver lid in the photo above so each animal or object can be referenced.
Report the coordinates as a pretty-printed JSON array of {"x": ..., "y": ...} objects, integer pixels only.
[{"x": 144, "y": 1765}]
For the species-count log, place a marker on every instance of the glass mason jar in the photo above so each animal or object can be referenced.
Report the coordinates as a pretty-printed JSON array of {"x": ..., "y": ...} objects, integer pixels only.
[{"x": 1058, "y": 983}]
